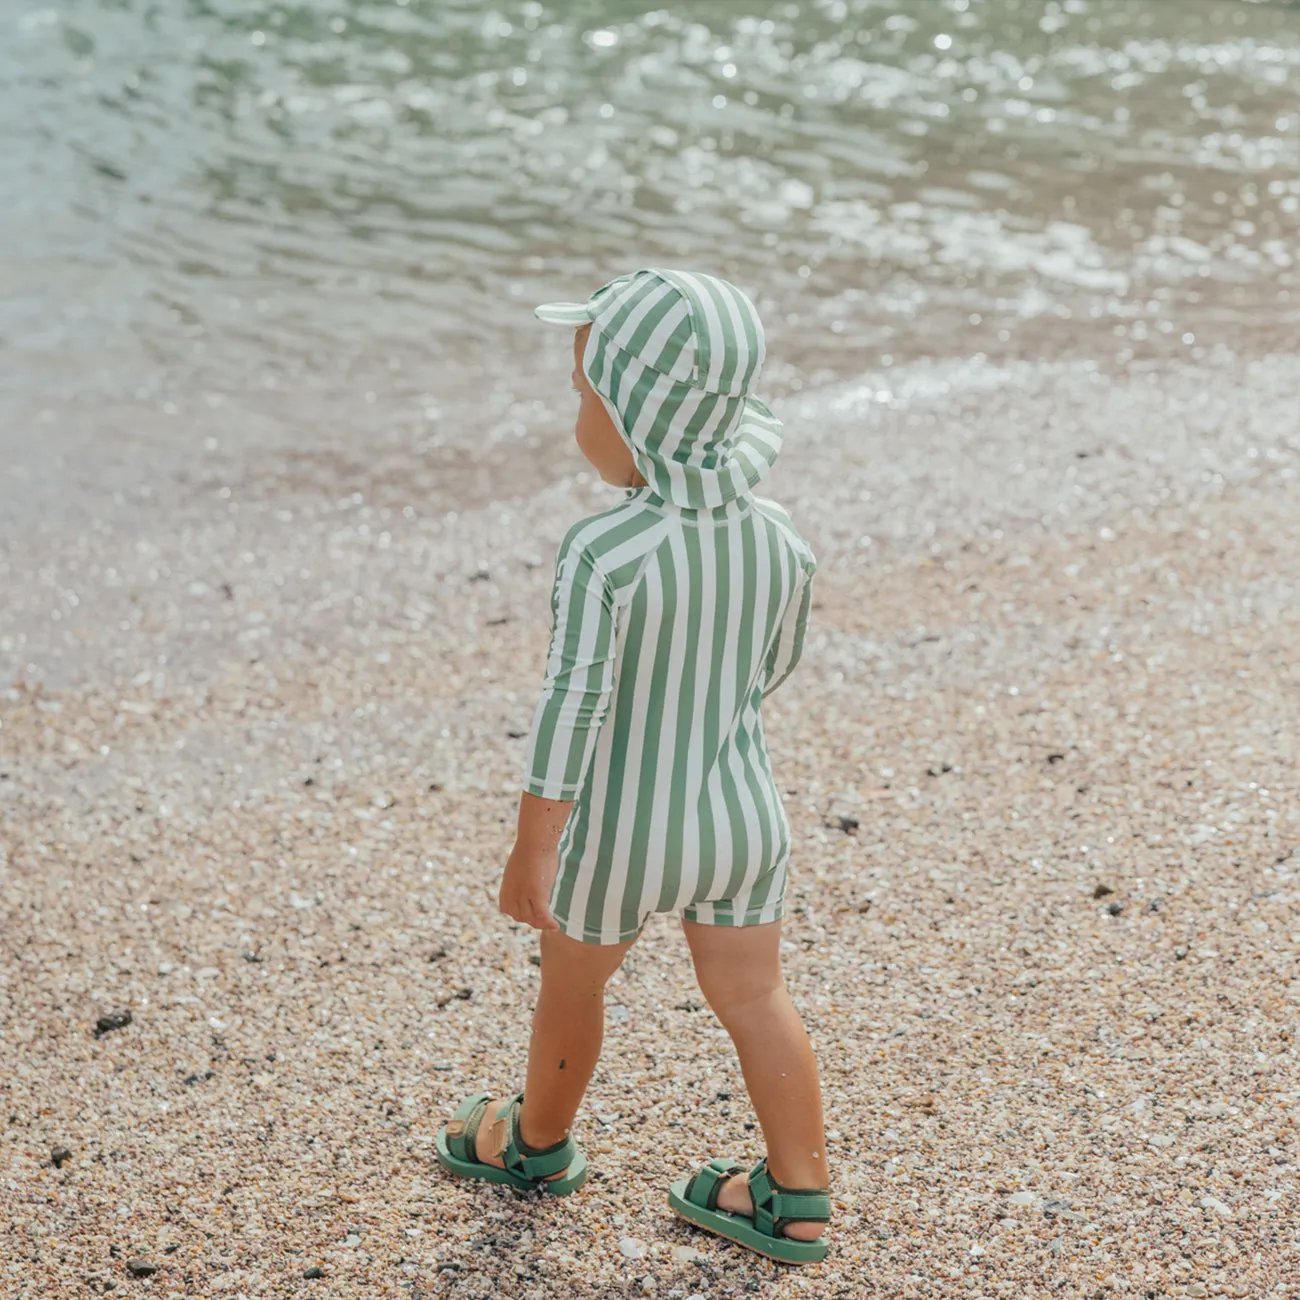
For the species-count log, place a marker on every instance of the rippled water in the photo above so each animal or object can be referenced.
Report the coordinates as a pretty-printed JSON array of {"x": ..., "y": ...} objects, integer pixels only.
[{"x": 227, "y": 192}]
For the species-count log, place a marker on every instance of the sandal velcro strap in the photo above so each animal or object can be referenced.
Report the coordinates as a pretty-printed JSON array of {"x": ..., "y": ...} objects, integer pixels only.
[
  {"x": 775, "y": 1206},
  {"x": 533, "y": 1162},
  {"x": 809, "y": 1205},
  {"x": 462, "y": 1130},
  {"x": 704, "y": 1187}
]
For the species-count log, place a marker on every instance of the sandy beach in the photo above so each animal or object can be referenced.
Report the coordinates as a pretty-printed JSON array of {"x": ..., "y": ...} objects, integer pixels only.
[{"x": 1041, "y": 766}]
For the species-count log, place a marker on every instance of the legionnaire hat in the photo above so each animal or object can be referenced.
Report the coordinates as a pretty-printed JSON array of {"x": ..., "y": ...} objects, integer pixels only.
[{"x": 675, "y": 355}]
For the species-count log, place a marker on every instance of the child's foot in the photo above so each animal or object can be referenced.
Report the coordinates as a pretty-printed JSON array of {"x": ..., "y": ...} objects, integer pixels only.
[
  {"x": 482, "y": 1140},
  {"x": 493, "y": 1135},
  {"x": 734, "y": 1196}
]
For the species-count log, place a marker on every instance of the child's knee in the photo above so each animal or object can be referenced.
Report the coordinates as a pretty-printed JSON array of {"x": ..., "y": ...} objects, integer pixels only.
[{"x": 730, "y": 990}]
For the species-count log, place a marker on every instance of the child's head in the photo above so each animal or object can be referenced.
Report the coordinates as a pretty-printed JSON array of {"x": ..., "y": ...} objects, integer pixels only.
[
  {"x": 597, "y": 436},
  {"x": 665, "y": 365}
]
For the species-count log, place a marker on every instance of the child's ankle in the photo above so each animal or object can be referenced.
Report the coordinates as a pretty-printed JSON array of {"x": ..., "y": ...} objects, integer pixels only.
[{"x": 539, "y": 1140}]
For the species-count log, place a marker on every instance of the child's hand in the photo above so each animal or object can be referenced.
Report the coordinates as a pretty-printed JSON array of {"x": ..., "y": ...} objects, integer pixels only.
[
  {"x": 526, "y": 887},
  {"x": 534, "y": 861}
]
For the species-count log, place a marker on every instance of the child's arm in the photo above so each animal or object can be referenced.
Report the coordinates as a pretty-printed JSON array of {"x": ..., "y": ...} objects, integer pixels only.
[
  {"x": 575, "y": 699},
  {"x": 530, "y": 871},
  {"x": 787, "y": 649},
  {"x": 579, "y": 677}
]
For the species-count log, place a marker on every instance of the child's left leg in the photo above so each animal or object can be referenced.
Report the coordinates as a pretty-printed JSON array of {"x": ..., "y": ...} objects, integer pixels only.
[{"x": 568, "y": 1028}]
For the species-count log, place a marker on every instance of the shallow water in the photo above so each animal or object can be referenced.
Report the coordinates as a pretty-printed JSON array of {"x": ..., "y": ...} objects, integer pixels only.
[{"x": 235, "y": 193}]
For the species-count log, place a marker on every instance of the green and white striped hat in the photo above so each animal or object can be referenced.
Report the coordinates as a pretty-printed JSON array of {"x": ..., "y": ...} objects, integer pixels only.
[{"x": 673, "y": 355}]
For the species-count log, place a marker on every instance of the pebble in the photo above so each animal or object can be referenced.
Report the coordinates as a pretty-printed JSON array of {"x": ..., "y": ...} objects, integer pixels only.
[
  {"x": 114, "y": 1020},
  {"x": 59, "y": 1155},
  {"x": 313, "y": 1272},
  {"x": 1198, "y": 1290},
  {"x": 686, "y": 1255},
  {"x": 1021, "y": 1198},
  {"x": 1062, "y": 1210},
  {"x": 632, "y": 1247},
  {"x": 141, "y": 1267}
]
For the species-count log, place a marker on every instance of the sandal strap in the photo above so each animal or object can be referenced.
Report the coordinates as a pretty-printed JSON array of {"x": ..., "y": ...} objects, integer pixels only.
[
  {"x": 704, "y": 1187},
  {"x": 462, "y": 1138},
  {"x": 533, "y": 1162},
  {"x": 775, "y": 1206}
]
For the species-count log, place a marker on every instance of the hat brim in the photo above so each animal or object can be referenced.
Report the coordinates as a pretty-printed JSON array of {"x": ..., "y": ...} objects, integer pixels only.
[{"x": 564, "y": 313}]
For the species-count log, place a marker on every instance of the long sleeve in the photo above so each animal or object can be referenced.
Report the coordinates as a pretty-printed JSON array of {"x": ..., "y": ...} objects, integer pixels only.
[
  {"x": 579, "y": 678},
  {"x": 787, "y": 649}
]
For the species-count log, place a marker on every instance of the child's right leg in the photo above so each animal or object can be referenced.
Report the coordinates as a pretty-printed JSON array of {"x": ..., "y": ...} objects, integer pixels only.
[{"x": 739, "y": 970}]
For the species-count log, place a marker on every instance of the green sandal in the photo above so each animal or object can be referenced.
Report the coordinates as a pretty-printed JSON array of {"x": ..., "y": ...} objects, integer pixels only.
[
  {"x": 696, "y": 1199},
  {"x": 526, "y": 1167}
]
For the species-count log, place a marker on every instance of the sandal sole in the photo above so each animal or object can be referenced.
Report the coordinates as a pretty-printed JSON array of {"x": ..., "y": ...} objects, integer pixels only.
[
  {"x": 562, "y": 1186},
  {"x": 740, "y": 1229}
]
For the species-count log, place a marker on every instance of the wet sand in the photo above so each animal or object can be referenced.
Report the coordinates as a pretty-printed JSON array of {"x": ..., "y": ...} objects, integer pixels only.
[{"x": 1042, "y": 772}]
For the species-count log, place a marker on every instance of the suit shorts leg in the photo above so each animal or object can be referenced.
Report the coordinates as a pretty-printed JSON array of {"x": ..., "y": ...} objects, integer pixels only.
[
  {"x": 761, "y": 902},
  {"x": 587, "y": 905}
]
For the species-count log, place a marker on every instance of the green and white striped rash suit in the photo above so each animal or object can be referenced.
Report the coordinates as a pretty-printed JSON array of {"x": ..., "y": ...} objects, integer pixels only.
[
  {"x": 671, "y": 624},
  {"x": 675, "y": 613}
]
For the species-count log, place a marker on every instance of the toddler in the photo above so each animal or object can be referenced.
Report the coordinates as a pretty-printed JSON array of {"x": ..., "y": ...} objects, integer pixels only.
[{"x": 648, "y": 785}]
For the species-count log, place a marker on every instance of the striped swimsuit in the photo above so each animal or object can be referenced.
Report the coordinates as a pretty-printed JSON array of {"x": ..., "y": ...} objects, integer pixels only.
[{"x": 670, "y": 625}]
